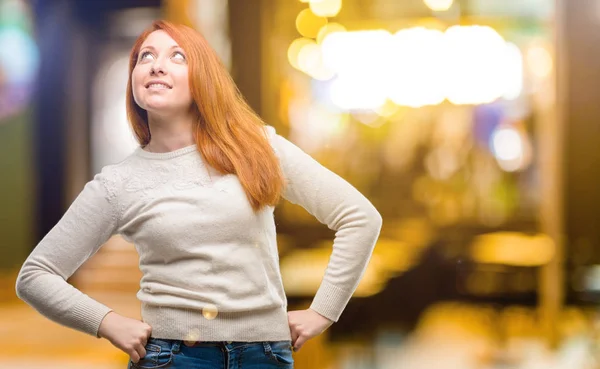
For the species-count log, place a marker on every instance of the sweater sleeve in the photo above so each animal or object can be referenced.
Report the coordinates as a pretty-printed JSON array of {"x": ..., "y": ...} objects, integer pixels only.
[
  {"x": 86, "y": 225},
  {"x": 340, "y": 206}
]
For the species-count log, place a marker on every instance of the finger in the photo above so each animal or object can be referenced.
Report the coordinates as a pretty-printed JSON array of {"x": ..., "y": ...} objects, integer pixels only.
[
  {"x": 299, "y": 343},
  {"x": 141, "y": 351},
  {"x": 294, "y": 335},
  {"x": 135, "y": 357}
]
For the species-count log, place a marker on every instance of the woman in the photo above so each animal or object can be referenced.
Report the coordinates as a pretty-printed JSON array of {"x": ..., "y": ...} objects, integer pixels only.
[{"x": 196, "y": 198}]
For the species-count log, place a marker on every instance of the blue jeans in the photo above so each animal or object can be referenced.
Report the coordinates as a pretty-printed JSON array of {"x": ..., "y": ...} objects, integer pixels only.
[{"x": 175, "y": 354}]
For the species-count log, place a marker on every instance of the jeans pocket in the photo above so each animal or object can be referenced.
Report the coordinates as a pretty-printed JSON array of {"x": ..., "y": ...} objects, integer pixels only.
[
  {"x": 280, "y": 352},
  {"x": 156, "y": 357}
]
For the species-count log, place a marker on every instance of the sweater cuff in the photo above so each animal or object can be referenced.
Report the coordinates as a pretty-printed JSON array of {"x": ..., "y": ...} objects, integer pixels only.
[
  {"x": 90, "y": 314},
  {"x": 330, "y": 301}
]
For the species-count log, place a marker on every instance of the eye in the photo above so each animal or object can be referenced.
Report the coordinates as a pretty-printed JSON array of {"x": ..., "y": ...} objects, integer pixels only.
[
  {"x": 178, "y": 55},
  {"x": 145, "y": 55}
]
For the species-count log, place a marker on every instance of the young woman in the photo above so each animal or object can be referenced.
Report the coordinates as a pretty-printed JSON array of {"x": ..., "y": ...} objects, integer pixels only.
[{"x": 197, "y": 198}]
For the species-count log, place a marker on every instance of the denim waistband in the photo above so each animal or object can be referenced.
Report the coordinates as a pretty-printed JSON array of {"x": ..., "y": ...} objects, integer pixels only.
[{"x": 175, "y": 345}]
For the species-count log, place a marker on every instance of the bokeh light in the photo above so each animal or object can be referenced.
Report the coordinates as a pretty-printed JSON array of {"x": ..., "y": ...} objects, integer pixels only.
[
  {"x": 310, "y": 61},
  {"x": 19, "y": 57},
  {"x": 506, "y": 144},
  {"x": 514, "y": 72},
  {"x": 326, "y": 8},
  {"x": 539, "y": 61},
  {"x": 210, "y": 311},
  {"x": 309, "y": 57},
  {"x": 359, "y": 60},
  {"x": 294, "y": 51},
  {"x": 439, "y": 5},
  {"x": 193, "y": 335},
  {"x": 511, "y": 148},
  {"x": 475, "y": 64},
  {"x": 328, "y": 29},
  {"x": 511, "y": 248},
  {"x": 357, "y": 93},
  {"x": 415, "y": 68},
  {"x": 308, "y": 23}
]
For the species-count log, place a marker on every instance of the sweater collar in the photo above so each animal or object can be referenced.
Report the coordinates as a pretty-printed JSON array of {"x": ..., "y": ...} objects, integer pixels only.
[{"x": 139, "y": 151}]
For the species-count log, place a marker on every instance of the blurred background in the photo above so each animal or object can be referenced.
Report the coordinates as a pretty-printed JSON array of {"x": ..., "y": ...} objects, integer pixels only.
[{"x": 472, "y": 125}]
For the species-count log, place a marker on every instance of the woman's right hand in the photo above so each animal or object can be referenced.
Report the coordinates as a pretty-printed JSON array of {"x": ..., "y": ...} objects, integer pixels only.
[{"x": 128, "y": 335}]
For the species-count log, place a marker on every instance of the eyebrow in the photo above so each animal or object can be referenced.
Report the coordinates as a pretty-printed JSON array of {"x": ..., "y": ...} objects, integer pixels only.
[{"x": 154, "y": 49}]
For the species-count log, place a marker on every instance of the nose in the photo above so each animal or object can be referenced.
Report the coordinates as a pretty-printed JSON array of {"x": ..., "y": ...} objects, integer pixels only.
[{"x": 157, "y": 68}]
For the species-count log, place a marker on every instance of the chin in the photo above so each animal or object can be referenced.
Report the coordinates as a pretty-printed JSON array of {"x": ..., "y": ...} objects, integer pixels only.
[
  {"x": 163, "y": 108},
  {"x": 153, "y": 104}
]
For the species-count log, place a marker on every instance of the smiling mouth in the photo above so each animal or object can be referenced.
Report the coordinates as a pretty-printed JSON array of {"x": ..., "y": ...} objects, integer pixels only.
[{"x": 158, "y": 86}]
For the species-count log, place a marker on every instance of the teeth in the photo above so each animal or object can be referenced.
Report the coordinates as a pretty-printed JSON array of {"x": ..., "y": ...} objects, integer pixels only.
[{"x": 158, "y": 85}]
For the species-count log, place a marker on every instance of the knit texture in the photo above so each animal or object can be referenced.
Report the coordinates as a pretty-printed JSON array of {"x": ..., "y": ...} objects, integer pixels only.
[{"x": 210, "y": 266}]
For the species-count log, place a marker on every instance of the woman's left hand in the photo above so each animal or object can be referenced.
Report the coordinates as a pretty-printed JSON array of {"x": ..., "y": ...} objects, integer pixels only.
[{"x": 306, "y": 324}]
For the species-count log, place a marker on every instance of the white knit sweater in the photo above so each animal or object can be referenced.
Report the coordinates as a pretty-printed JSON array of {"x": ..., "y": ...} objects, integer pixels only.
[{"x": 210, "y": 264}]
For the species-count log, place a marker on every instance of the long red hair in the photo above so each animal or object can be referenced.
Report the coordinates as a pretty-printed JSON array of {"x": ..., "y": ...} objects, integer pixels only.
[{"x": 230, "y": 136}]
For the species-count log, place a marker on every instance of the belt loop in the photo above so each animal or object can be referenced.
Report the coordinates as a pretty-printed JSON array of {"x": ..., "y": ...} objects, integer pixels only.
[
  {"x": 176, "y": 346},
  {"x": 267, "y": 348}
]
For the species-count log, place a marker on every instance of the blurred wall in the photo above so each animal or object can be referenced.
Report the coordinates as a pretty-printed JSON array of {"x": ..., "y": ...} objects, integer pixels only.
[
  {"x": 18, "y": 67},
  {"x": 54, "y": 26},
  {"x": 247, "y": 42},
  {"x": 45, "y": 146},
  {"x": 579, "y": 96},
  {"x": 16, "y": 189}
]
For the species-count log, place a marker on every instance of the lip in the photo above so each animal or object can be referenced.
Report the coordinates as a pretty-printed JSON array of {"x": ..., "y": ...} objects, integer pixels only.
[{"x": 157, "y": 81}]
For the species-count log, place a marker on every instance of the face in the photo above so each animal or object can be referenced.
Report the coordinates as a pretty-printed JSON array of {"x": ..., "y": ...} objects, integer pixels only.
[{"x": 160, "y": 78}]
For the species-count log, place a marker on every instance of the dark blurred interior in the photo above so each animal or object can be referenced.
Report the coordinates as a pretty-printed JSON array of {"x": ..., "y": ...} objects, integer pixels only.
[{"x": 472, "y": 125}]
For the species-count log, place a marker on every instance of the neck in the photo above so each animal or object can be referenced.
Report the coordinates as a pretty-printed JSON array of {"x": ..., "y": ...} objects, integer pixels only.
[{"x": 169, "y": 133}]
